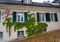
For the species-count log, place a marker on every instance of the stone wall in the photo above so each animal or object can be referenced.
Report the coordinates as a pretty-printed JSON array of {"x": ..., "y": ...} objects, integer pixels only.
[{"x": 29, "y": 8}]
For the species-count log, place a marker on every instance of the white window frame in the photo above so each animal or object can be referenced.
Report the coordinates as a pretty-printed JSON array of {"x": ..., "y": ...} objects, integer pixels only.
[
  {"x": 20, "y": 33},
  {"x": 21, "y": 15},
  {"x": 43, "y": 16}
]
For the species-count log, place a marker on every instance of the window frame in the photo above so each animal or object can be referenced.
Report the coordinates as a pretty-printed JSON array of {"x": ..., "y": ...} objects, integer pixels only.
[
  {"x": 20, "y": 33},
  {"x": 53, "y": 17},
  {"x": 41, "y": 19},
  {"x": 22, "y": 15}
]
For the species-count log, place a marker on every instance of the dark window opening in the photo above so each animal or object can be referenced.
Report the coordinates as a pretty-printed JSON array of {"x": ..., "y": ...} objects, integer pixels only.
[
  {"x": 47, "y": 17},
  {"x": 20, "y": 33},
  {"x": 1, "y": 35},
  {"x": 44, "y": 29}
]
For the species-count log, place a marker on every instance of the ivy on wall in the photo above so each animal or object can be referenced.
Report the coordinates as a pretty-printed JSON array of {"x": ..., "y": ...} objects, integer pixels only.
[{"x": 33, "y": 27}]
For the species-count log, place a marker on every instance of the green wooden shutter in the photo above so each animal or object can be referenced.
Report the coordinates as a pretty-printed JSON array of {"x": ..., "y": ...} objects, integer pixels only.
[
  {"x": 38, "y": 17},
  {"x": 25, "y": 16},
  {"x": 55, "y": 16},
  {"x": 47, "y": 15},
  {"x": 14, "y": 17}
]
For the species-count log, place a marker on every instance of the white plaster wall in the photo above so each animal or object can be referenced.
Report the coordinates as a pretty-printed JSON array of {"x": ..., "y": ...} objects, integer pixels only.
[{"x": 51, "y": 26}]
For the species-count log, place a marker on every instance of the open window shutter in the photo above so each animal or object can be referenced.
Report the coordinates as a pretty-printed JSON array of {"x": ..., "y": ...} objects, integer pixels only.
[
  {"x": 47, "y": 15},
  {"x": 14, "y": 17},
  {"x": 55, "y": 16},
  {"x": 38, "y": 17},
  {"x": 25, "y": 16}
]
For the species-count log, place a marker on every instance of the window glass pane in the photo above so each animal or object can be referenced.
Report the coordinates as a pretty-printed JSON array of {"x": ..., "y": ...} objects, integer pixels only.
[
  {"x": 52, "y": 16},
  {"x": 22, "y": 32},
  {"x": 18, "y": 0},
  {"x": 21, "y": 18},
  {"x": 18, "y": 18},
  {"x": 42, "y": 16},
  {"x": 18, "y": 33}
]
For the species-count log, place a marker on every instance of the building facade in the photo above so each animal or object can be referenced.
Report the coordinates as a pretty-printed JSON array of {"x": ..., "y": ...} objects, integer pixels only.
[{"x": 18, "y": 12}]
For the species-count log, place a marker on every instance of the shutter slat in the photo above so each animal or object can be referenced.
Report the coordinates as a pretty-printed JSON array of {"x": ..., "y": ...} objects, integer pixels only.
[
  {"x": 38, "y": 17},
  {"x": 14, "y": 17},
  {"x": 25, "y": 16},
  {"x": 55, "y": 16}
]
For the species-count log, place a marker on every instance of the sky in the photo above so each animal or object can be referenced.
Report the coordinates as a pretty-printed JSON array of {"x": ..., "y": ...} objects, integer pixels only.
[{"x": 41, "y": 0}]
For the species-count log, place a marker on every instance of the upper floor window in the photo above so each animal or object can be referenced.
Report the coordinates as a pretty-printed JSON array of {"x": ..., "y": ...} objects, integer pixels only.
[
  {"x": 54, "y": 17},
  {"x": 40, "y": 17},
  {"x": 47, "y": 17},
  {"x": 19, "y": 17}
]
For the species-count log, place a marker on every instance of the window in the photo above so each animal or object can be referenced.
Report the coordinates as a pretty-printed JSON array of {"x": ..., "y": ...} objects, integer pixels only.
[
  {"x": 53, "y": 17},
  {"x": 47, "y": 17},
  {"x": 20, "y": 17},
  {"x": 40, "y": 17},
  {"x": 0, "y": 16},
  {"x": 44, "y": 29},
  {"x": 20, "y": 33},
  {"x": 1, "y": 35}
]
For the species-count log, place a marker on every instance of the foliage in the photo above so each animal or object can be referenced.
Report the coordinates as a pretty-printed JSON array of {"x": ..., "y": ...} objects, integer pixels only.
[
  {"x": 31, "y": 26},
  {"x": 8, "y": 24}
]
